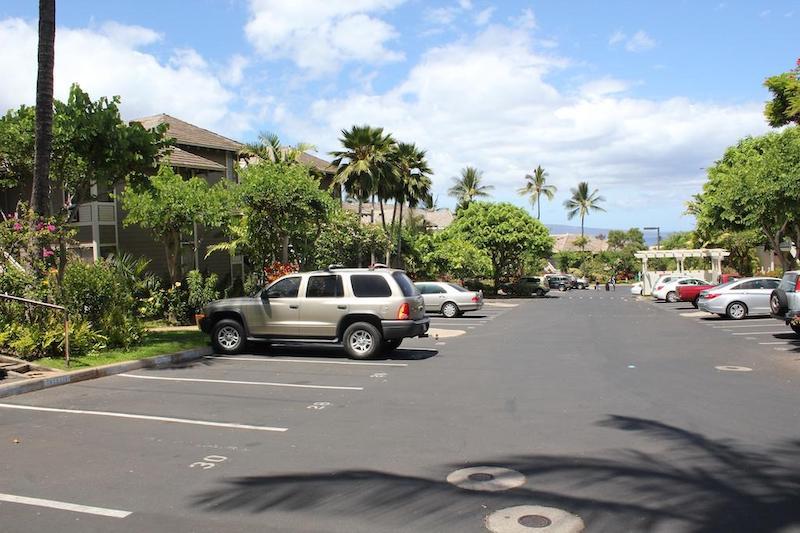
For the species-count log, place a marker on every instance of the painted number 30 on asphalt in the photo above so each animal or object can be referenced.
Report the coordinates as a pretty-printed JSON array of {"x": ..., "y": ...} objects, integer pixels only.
[
  {"x": 209, "y": 461},
  {"x": 318, "y": 405}
]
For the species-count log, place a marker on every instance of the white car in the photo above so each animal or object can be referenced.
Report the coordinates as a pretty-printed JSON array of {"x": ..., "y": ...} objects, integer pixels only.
[
  {"x": 669, "y": 291},
  {"x": 636, "y": 289}
]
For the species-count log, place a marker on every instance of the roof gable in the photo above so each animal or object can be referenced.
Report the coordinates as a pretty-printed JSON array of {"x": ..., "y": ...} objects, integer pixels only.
[{"x": 189, "y": 134}]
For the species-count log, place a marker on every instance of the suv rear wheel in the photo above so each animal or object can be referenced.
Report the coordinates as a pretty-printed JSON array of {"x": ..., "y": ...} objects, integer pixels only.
[
  {"x": 362, "y": 340},
  {"x": 778, "y": 302},
  {"x": 228, "y": 336}
]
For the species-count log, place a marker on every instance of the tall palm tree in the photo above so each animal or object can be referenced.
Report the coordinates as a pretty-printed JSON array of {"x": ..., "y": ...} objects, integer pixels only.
[
  {"x": 468, "y": 186},
  {"x": 582, "y": 203},
  {"x": 364, "y": 165},
  {"x": 535, "y": 187},
  {"x": 412, "y": 186},
  {"x": 40, "y": 192}
]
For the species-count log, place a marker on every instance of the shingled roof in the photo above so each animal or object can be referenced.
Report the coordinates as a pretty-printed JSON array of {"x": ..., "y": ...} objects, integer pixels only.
[
  {"x": 182, "y": 158},
  {"x": 565, "y": 242},
  {"x": 189, "y": 134}
]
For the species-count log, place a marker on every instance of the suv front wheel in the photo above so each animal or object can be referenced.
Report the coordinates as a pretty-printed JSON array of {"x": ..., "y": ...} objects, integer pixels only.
[
  {"x": 362, "y": 340},
  {"x": 228, "y": 337}
]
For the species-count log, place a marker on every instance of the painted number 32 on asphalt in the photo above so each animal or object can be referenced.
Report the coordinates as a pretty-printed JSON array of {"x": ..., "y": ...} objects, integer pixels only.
[{"x": 209, "y": 461}]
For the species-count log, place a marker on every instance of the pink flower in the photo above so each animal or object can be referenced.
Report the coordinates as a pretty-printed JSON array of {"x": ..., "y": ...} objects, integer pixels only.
[
  {"x": 39, "y": 226},
  {"x": 17, "y": 226},
  {"x": 51, "y": 228},
  {"x": 47, "y": 253}
]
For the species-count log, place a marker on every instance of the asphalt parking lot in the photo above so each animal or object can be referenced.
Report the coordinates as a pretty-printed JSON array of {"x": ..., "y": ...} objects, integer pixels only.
[{"x": 614, "y": 411}]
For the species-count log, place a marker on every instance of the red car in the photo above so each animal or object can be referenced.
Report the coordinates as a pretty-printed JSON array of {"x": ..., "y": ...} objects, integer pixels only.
[{"x": 690, "y": 293}]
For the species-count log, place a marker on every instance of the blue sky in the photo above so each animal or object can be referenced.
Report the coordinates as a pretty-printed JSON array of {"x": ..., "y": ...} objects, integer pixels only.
[{"x": 634, "y": 97}]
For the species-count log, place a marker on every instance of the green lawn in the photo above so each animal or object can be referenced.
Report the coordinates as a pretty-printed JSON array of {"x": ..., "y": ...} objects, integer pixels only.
[{"x": 156, "y": 343}]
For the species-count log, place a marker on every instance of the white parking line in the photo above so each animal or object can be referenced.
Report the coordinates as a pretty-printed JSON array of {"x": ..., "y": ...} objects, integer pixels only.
[
  {"x": 141, "y": 417},
  {"x": 761, "y": 332},
  {"x": 779, "y": 342},
  {"x": 64, "y": 506},
  {"x": 234, "y": 382},
  {"x": 310, "y": 361},
  {"x": 740, "y": 326}
]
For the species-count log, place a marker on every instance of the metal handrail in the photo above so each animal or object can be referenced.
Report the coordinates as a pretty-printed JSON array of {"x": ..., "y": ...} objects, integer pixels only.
[{"x": 51, "y": 306}]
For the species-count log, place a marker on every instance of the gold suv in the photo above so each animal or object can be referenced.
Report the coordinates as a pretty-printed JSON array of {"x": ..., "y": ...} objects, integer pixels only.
[{"x": 367, "y": 310}]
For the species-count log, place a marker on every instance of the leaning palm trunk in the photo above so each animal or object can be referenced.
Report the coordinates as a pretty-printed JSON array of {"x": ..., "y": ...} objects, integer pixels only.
[{"x": 400, "y": 238}]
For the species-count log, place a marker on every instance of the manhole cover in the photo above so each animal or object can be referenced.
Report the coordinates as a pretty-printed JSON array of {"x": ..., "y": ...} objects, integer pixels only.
[
  {"x": 486, "y": 478},
  {"x": 534, "y": 520},
  {"x": 734, "y": 368},
  {"x": 526, "y": 518}
]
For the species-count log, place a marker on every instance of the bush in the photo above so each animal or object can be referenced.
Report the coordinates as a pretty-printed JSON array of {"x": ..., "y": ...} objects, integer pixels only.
[{"x": 201, "y": 291}]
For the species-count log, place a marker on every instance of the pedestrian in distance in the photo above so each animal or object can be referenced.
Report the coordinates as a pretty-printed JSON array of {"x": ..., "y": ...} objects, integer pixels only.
[{"x": 614, "y": 283}]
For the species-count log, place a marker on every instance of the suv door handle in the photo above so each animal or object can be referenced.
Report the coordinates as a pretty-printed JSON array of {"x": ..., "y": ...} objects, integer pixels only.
[
  {"x": 343, "y": 307},
  {"x": 294, "y": 306}
]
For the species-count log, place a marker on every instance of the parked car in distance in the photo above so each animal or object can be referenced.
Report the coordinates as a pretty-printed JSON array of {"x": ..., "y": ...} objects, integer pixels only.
[
  {"x": 669, "y": 291},
  {"x": 691, "y": 293},
  {"x": 739, "y": 299},
  {"x": 368, "y": 311},
  {"x": 636, "y": 288},
  {"x": 578, "y": 283},
  {"x": 526, "y": 286},
  {"x": 784, "y": 301},
  {"x": 449, "y": 299},
  {"x": 559, "y": 282}
]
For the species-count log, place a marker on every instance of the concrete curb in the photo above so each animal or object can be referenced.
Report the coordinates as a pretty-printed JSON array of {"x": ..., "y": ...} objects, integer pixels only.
[{"x": 30, "y": 385}]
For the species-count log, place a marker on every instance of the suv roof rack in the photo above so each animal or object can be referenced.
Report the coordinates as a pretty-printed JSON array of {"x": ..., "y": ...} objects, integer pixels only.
[
  {"x": 334, "y": 267},
  {"x": 377, "y": 265}
]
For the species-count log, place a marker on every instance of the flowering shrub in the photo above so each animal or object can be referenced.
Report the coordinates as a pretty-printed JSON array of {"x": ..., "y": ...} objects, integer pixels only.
[
  {"x": 31, "y": 241},
  {"x": 276, "y": 270}
]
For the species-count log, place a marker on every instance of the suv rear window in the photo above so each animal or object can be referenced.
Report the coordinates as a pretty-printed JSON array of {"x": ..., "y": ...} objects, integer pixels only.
[
  {"x": 370, "y": 286},
  {"x": 789, "y": 282},
  {"x": 406, "y": 285}
]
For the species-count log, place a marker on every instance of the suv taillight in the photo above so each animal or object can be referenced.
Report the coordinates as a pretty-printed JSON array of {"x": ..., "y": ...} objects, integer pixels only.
[
  {"x": 404, "y": 312},
  {"x": 797, "y": 284}
]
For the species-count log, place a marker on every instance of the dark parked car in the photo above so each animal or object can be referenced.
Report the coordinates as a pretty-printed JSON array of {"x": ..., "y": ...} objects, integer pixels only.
[
  {"x": 561, "y": 283},
  {"x": 526, "y": 286}
]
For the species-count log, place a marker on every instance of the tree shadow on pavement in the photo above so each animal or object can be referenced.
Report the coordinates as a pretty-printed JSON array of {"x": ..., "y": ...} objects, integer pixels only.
[{"x": 692, "y": 484}]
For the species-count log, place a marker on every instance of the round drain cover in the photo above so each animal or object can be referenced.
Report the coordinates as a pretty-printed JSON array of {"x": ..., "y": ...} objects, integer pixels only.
[
  {"x": 486, "y": 478},
  {"x": 527, "y": 518},
  {"x": 734, "y": 368}
]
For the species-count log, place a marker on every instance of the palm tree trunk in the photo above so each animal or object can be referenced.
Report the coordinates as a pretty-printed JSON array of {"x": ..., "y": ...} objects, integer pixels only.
[
  {"x": 383, "y": 215},
  {"x": 538, "y": 206},
  {"x": 40, "y": 192},
  {"x": 358, "y": 241},
  {"x": 400, "y": 238}
]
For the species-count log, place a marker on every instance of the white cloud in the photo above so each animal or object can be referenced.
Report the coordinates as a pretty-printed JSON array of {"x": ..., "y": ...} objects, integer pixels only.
[
  {"x": 488, "y": 102},
  {"x": 233, "y": 74},
  {"x": 109, "y": 61},
  {"x": 320, "y": 36},
  {"x": 640, "y": 42},
  {"x": 484, "y": 16}
]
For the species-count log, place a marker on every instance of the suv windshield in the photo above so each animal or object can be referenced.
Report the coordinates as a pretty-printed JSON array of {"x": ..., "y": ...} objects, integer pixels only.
[{"x": 405, "y": 283}]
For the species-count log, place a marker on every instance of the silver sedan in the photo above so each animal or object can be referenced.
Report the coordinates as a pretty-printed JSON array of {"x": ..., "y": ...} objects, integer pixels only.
[
  {"x": 739, "y": 299},
  {"x": 450, "y": 299}
]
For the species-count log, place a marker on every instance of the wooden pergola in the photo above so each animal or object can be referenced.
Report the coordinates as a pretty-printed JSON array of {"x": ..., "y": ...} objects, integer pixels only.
[{"x": 715, "y": 254}]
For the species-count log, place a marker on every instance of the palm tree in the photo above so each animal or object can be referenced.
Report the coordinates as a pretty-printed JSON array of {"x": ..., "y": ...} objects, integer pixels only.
[
  {"x": 582, "y": 203},
  {"x": 535, "y": 187},
  {"x": 268, "y": 147},
  {"x": 40, "y": 191},
  {"x": 413, "y": 183},
  {"x": 468, "y": 187},
  {"x": 364, "y": 166}
]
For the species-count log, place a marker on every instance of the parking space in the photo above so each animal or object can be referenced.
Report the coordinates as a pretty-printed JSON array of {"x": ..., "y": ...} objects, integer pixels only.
[
  {"x": 158, "y": 427},
  {"x": 762, "y": 332}
]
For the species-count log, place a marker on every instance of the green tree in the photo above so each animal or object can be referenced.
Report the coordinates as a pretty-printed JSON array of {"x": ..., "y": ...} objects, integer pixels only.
[
  {"x": 91, "y": 145},
  {"x": 535, "y": 187},
  {"x": 170, "y": 206},
  {"x": 269, "y": 148},
  {"x": 633, "y": 239},
  {"x": 40, "y": 191},
  {"x": 784, "y": 108},
  {"x": 457, "y": 258},
  {"x": 582, "y": 203},
  {"x": 282, "y": 210},
  {"x": 755, "y": 187},
  {"x": 342, "y": 237},
  {"x": 506, "y": 233},
  {"x": 467, "y": 187}
]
